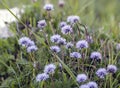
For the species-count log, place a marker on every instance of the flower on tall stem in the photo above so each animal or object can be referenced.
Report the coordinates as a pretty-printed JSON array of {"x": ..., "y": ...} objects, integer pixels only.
[
  {"x": 101, "y": 73},
  {"x": 66, "y": 29},
  {"x": 73, "y": 19},
  {"x": 55, "y": 49},
  {"x": 42, "y": 24},
  {"x": 49, "y": 69},
  {"x": 111, "y": 69},
  {"x": 42, "y": 77},
  {"x": 81, "y": 78},
  {"x": 96, "y": 55},
  {"x": 82, "y": 44},
  {"x": 48, "y": 7}
]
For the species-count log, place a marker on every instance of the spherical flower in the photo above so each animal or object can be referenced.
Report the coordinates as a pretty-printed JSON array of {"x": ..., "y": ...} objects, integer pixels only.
[
  {"x": 111, "y": 68},
  {"x": 84, "y": 86},
  {"x": 61, "y": 3},
  {"x": 55, "y": 49},
  {"x": 62, "y": 24},
  {"x": 92, "y": 84},
  {"x": 66, "y": 29},
  {"x": 82, "y": 44},
  {"x": 30, "y": 43},
  {"x": 42, "y": 24},
  {"x": 48, "y": 7},
  {"x": 73, "y": 19},
  {"x": 42, "y": 77},
  {"x": 96, "y": 55},
  {"x": 75, "y": 55},
  {"x": 101, "y": 72},
  {"x": 62, "y": 41},
  {"x": 69, "y": 45},
  {"x": 81, "y": 78},
  {"x": 49, "y": 69},
  {"x": 55, "y": 38},
  {"x": 32, "y": 48},
  {"x": 24, "y": 41}
]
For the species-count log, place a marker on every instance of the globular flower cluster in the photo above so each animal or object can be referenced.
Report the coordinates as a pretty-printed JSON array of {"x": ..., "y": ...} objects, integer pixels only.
[
  {"x": 58, "y": 39},
  {"x": 69, "y": 45},
  {"x": 49, "y": 69},
  {"x": 28, "y": 43},
  {"x": 96, "y": 55},
  {"x": 62, "y": 41},
  {"x": 31, "y": 49},
  {"x": 42, "y": 24},
  {"x": 42, "y": 77},
  {"x": 48, "y": 7},
  {"x": 61, "y": 3},
  {"x": 55, "y": 38},
  {"x": 67, "y": 29},
  {"x": 75, "y": 55},
  {"x": 55, "y": 49},
  {"x": 90, "y": 84},
  {"x": 111, "y": 69},
  {"x": 101, "y": 73},
  {"x": 82, "y": 44},
  {"x": 73, "y": 19},
  {"x": 84, "y": 86},
  {"x": 62, "y": 24},
  {"x": 81, "y": 78}
]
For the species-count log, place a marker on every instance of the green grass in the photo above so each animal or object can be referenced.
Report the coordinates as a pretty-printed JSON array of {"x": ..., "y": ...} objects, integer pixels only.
[{"x": 102, "y": 21}]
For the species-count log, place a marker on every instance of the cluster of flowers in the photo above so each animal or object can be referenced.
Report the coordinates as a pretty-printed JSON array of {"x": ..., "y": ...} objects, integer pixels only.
[
  {"x": 82, "y": 78},
  {"x": 57, "y": 39},
  {"x": 101, "y": 73},
  {"x": 28, "y": 43},
  {"x": 49, "y": 69},
  {"x": 66, "y": 28}
]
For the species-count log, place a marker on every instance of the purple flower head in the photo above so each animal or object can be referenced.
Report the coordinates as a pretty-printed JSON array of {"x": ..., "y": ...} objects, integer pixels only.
[
  {"x": 111, "y": 68},
  {"x": 101, "y": 72},
  {"x": 32, "y": 48},
  {"x": 66, "y": 29},
  {"x": 82, "y": 44},
  {"x": 84, "y": 86},
  {"x": 92, "y": 84},
  {"x": 69, "y": 45},
  {"x": 48, "y": 7},
  {"x": 96, "y": 55},
  {"x": 42, "y": 77},
  {"x": 49, "y": 69},
  {"x": 62, "y": 24},
  {"x": 61, "y": 3},
  {"x": 55, "y": 49},
  {"x": 75, "y": 55},
  {"x": 55, "y": 38},
  {"x": 24, "y": 41},
  {"x": 42, "y": 24},
  {"x": 30, "y": 43},
  {"x": 73, "y": 19},
  {"x": 62, "y": 41},
  {"x": 81, "y": 78}
]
